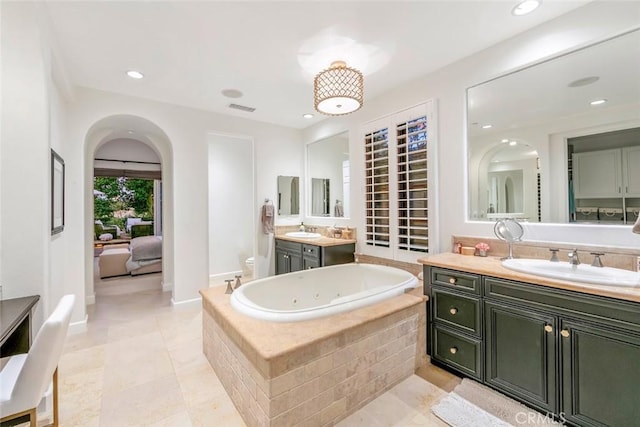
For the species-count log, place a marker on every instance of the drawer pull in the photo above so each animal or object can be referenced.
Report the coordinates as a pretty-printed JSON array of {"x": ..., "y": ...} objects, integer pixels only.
[
  {"x": 548, "y": 328},
  {"x": 452, "y": 280},
  {"x": 564, "y": 333},
  {"x": 453, "y": 350},
  {"x": 453, "y": 310}
]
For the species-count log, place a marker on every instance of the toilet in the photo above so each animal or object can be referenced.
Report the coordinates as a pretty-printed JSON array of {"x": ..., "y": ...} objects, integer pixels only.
[{"x": 249, "y": 264}]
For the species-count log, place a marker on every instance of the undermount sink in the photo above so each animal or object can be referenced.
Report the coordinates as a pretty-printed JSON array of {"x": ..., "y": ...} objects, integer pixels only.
[
  {"x": 575, "y": 273},
  {"x": 303, "y": 235}
]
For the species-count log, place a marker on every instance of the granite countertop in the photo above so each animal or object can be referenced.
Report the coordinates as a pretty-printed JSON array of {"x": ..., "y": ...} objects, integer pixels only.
[
  {"x": 318, "y": 241},
  {"x": 492, "y": 266}
]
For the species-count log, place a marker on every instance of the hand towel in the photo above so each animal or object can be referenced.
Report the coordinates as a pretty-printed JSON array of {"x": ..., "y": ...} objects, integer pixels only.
[
  {"x": 636, "y": 226},
  {"x": 267, "y": 218}
]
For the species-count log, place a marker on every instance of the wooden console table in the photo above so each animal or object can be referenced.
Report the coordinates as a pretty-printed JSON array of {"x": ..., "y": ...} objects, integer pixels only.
[{"x": 15, "y": 324}]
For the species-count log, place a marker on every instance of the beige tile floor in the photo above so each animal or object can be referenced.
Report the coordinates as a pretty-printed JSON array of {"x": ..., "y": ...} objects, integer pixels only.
[{"x": 141, "y": 363}]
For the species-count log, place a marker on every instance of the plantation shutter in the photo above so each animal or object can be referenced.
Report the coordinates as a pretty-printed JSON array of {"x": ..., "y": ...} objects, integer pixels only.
[
  {"x": 413, "y": 212},
  {"x": 399, "y": 165},
  {"x": 378, "y": 231}
]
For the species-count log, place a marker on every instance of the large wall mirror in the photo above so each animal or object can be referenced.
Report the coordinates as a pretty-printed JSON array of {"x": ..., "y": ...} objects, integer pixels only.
[
  {"x": 544, "y": 140},
  {"x": 328, "y": 177}
]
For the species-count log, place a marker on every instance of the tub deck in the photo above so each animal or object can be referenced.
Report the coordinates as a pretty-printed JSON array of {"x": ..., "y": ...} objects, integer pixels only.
[{"x": 317, "y": 370}]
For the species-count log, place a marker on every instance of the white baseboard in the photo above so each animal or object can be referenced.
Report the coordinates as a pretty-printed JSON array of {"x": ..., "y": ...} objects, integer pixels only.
[
  {"x": 90, "y": 299},
  {"x": 196, "y": 302},
  {"x": 78, "y": 327}
]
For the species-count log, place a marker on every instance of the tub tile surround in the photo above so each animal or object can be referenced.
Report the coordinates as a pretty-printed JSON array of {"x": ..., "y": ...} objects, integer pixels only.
[
  {"x": 314, "y": 372},
  {"x": 624, "y": 258}
]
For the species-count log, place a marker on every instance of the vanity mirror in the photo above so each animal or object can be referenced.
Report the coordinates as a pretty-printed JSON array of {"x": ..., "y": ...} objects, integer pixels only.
[
  {"x": 524, "y": 128},
  {"x": 328, "y": 176},
  {"x": 288, "y": 195}
]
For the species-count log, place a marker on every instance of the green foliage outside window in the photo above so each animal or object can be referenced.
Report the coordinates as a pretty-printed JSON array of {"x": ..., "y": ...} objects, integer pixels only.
[{"x": 115, "y": 199}]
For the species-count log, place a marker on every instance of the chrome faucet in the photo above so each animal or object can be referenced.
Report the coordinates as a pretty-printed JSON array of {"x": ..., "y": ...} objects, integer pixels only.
[
  {"x": 597, "y": 262},
  {"x": 237, "y": 282},
  {"x": 554, "y": 255},
  {"x": 229, "y": 287},
  {"x": 573, "y": 257}
]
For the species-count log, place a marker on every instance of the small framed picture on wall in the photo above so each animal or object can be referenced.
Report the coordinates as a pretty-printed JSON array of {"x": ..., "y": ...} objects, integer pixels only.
[{"x": 57, "y": 193}]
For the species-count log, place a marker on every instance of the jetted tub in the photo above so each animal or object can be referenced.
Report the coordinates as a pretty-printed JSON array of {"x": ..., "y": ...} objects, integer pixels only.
[{"x": 320, "y": 292}]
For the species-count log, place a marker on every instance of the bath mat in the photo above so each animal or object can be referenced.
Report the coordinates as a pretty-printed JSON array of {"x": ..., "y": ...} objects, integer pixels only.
[
  {"x": 459, "y": 412},
  {"x": 507, "y": 411}
]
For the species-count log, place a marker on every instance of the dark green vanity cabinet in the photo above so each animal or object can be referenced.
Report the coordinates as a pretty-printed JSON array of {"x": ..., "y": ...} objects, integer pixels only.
[
  {"x": 288, "y": 256},
  {"x": 294, "y": 256},
  {"x": 521, "y": 354},
  {"x": 569, "y": 353},
  {"x": 456, "y": 321}
]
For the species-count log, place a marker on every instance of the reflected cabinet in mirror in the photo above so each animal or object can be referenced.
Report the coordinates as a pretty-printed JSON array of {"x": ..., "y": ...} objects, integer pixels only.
[
  {"x": 559, "y": 141},
  {"x": 328, "y": 172},
  {"x": 288, "y": 195}
]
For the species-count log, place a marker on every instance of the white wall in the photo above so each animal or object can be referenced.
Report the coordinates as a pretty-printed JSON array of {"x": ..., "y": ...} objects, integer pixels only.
[
  {"x": 231, "y": 205},
  {"x": 127, "y": 149},
  {"x": 593, "y": 22},
  {"x": 33, "y": 121},
  {"x": 187, "y": 131}
]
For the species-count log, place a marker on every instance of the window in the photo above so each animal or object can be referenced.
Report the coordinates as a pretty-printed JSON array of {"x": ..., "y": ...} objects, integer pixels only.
[
  {"x": 413, "y": 204},
  {"x": 377, "y": 187},
  {"x": 398, "y": 151}
]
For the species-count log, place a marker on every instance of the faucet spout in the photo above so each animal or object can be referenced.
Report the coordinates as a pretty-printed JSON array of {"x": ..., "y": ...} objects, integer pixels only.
[{"x": 573, "y": 257}]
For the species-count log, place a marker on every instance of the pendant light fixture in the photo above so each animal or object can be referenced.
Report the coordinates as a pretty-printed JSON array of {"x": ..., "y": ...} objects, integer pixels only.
[{"x": 338, "y": 90}]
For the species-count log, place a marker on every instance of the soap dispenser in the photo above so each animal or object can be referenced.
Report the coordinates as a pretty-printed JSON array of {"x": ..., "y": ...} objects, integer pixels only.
[{"x": 301, "y": 226}]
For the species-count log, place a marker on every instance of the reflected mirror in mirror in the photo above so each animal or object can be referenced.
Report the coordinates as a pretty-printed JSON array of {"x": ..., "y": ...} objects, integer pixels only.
[
  {"x": 288, "y": 195},
  {"x": 320, "y": 196},
  {"x": 328, "y": 172},
  {"x": 543, "y": 109}
]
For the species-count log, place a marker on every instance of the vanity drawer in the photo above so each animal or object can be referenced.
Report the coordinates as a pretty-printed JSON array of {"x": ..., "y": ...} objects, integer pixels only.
[
  {"x": 291, "y": 247},
  {"x": 311, "y": 251},
  {"x": 463, "y": 281},
  {"x": 457, "y": 311},
  {"x": 458, "y": 351}
]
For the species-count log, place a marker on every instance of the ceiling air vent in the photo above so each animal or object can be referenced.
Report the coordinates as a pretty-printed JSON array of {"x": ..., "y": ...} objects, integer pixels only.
[{"x": 242, "y": 108}]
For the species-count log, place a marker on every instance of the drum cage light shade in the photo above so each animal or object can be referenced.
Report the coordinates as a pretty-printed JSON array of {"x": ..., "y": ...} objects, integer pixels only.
[{"x": 338, "y": 90}]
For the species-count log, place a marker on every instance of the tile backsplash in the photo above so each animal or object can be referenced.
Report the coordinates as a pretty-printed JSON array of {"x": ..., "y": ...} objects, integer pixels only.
[{"x": 613, "y": 257}]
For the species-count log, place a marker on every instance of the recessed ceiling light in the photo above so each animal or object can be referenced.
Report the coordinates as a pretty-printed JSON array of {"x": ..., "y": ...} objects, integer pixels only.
[
  {"x": 130, "y": 132},
  {"x": 584, "y": 81},
  {"x": 526, "y": 6},
  {"x": 232, "y": 93},
  {"x": 505, "y": 140},
  {"x": 598, "y": 102},
  {"x": 135, "y": 74},
  {"x": 307, "y": 116},
  {"x": 487, "y": 126},
  {"x": 512, "y": 143}
]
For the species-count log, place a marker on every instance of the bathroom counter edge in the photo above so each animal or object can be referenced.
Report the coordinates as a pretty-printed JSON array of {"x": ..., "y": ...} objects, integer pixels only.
[
  {"x": 492, "y": 266},
  {"x": 319, "y": 241}
]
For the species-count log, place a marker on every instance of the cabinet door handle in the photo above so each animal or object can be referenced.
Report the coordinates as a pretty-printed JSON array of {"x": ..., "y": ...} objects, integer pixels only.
[
  {"x": 453, "y": 310},
  {"x": 548, "y": 328},
  {"x": 564, "y": 333},
  {"x": 453, "y": 350},
  {"x": 452, "y": 280}
]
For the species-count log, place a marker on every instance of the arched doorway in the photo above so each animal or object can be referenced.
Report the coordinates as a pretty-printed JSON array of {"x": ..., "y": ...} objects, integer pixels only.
[{"x": 138, "y": 130}]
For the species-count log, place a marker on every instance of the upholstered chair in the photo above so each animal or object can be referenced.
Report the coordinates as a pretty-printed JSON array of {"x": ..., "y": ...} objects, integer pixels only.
[{"x": 26, "y": 377}]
